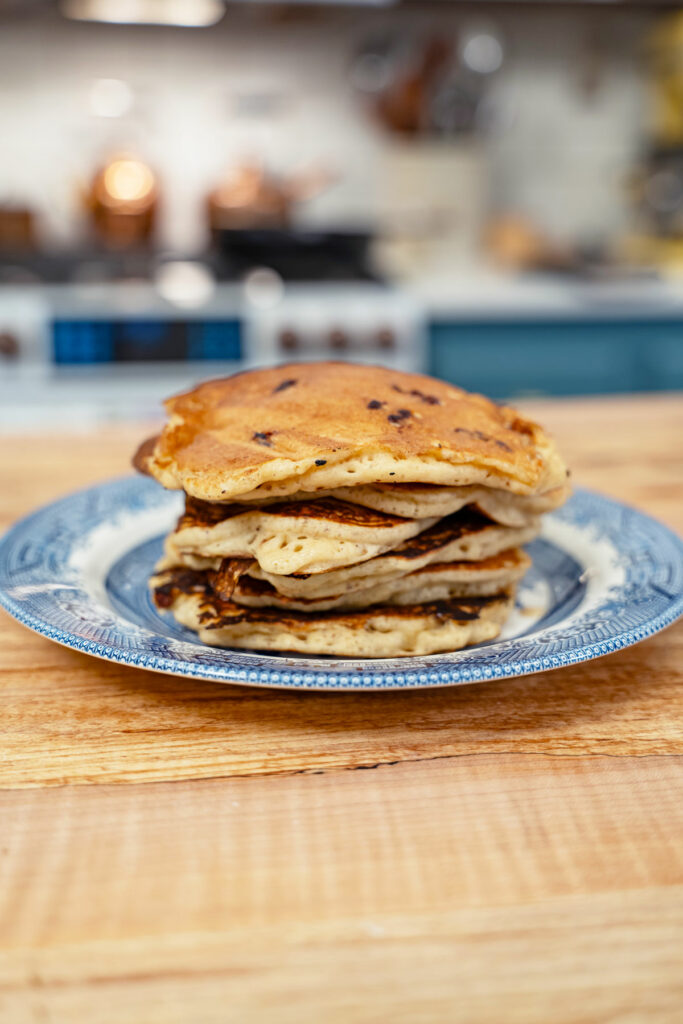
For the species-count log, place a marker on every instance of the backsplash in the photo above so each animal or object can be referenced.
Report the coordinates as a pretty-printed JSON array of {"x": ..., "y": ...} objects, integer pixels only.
[{"x": 565, "y": 112}]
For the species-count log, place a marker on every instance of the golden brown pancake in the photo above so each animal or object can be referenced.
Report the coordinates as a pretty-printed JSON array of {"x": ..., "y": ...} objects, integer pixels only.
[
  {"x": 289, "y": 537},
  {"x": 466, "y": 536},
  {"x": 330, "y": 510},
  {"x": 310, "y": 426},
  {"x": 404, "y": 501},
  {"x": 420, "y": 501},
  {"x": 441, "y": 581},
  {"x": 382, "y": 631},
  {"x": 436, "y": 581}
]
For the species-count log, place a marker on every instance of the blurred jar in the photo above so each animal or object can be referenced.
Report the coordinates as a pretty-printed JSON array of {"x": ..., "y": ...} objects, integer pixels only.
[
  {"x": 251, "y": 198},
  {"x": 123, "y": 201},
  {"x": 248, "y": 198},
  {"x": 17, "y": 228}
]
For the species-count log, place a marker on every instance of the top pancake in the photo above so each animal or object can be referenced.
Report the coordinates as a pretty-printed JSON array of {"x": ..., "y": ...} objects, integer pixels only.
[{"x": 311, "y": 426}]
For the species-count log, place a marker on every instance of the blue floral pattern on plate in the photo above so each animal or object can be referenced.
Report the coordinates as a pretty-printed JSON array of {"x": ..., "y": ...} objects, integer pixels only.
[{"x": 604, "y": 577}]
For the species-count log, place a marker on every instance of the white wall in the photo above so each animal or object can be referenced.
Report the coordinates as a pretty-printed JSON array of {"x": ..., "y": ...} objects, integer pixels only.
[{"x": 558, "y": 154}]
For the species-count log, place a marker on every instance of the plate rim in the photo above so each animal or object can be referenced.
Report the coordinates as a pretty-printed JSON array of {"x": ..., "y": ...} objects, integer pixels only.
[{"x": 369, "y": 680}]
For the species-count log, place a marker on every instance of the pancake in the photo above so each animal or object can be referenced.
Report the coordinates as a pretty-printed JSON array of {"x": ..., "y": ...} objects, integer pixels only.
[
  {"x": 316, "y": 426},
  {"x": 466, "y": 536},
  {"x": 384, "y": 631},
  {"x": 441, "y": 581},
  {"x": 422, "y": 501},
  {"x": 289, "y": 537},
  {"x": 436, "y": 582}
]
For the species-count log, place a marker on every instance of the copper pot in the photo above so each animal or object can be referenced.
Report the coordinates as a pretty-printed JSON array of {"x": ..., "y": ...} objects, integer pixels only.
[{"x": 123, "y": 201}]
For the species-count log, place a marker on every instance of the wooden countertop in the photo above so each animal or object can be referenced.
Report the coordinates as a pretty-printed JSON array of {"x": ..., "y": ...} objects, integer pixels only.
[{"x": 178, "y": 851}]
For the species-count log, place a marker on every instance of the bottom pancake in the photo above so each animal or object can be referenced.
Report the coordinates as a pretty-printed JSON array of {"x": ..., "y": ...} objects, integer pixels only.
[{"x": 383, "y": 631}]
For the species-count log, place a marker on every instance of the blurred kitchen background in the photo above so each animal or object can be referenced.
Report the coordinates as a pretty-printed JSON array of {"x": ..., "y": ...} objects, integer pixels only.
[{"x": 489, "y": 192}]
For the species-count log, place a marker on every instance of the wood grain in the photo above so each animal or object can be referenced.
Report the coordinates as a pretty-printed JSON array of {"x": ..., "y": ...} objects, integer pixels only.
[
  {"x": 74, "y": 720},
  {"x": 515, "y": 856},
  {"x": 414, "y": 892}
]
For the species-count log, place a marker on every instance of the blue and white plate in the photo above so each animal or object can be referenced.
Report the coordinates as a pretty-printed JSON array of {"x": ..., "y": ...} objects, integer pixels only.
[{"x": 604, "y": 576}]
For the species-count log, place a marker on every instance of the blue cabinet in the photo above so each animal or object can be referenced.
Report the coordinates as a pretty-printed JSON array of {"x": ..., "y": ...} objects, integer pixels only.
[{"x": 505, "y": 359}]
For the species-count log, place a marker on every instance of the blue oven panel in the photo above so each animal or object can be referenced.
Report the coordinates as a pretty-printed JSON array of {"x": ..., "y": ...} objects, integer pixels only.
[{"x": 85, "y": 342}]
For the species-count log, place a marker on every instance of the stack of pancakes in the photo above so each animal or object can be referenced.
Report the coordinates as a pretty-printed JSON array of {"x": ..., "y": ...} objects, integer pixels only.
[{"x": 347, "y": 510}]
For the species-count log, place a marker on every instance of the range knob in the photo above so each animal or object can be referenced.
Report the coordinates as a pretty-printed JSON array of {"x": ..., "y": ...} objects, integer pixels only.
[
  {"x": 338, "y": 339},
  {"x": 288, "y": 340},
  {"x": 385, "y": 338},
  {"x": 9, "y": 345}
]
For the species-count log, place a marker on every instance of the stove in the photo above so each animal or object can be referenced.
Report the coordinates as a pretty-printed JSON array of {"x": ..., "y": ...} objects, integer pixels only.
[{"x": 84, "y": 354}]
